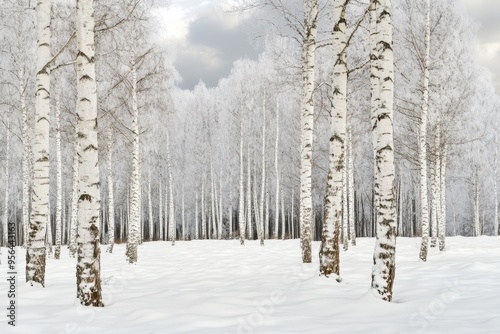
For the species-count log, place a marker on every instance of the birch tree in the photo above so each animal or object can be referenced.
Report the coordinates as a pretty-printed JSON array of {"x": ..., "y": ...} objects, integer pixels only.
[
  {"x": 36, "y": 251},
  {"x": 333, "y": 216},
  {"x": 384, "y": 268},
  {"x": 88, "y": 264},
  {"x": 111, "y": 202},
  {"x": 59, "y": 199}
]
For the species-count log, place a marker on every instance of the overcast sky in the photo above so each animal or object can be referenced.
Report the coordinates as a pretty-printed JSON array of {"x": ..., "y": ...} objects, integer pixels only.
[{"x": 206, "y": 41}]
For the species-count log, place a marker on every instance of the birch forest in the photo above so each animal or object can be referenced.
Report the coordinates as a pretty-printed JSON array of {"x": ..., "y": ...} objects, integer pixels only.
[{"x": 360, "y": 122}]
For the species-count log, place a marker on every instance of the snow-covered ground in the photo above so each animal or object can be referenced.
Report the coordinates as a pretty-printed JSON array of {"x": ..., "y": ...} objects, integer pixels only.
[{"x": 221, "y": 287}]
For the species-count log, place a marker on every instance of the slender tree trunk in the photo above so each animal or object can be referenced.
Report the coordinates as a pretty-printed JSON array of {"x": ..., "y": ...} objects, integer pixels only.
[
  {"x": 434, "y": 201},
  {"x": 134, "y": 227},
  {"x": 350, "y": 176},
  {"x": 171, "y": 215},
  {"x": 442, "y": 200},
  {"x": 36, "y": 251},
  {"x": 283, "y": 220},
  {"x": 277, "y": 171},
  {"x": 160, "y": 209},
  {"x": 150, "y": 209},
  {"x": 422, "y": 144},
  {"x": 384, "y": 268},
  {"x": 495, "y": 183},
  {"x": 74, "y": 202},
  {"x": 249, "y": 194},
  {"x": 477, "y": 223},
  {"x": 306, "y": 125},
  {"x": 203, "y": 213},
  {"x": 196, "y": 228},
  {"x": 111, "y": 201},
  {"x": 183, "y": 213},
  {"x": 241, "y": 205},
  {"x": 5, "y": 217},
  {"x": 345, "y": 213},
  {"x": 333, "y": 216},
  {"x": 26, "y": 151},
  {"x": 231, "y": 227},
  {"x": 263, "y": 180},
  {"x": 88, "y": 263},
  {"x": 57, "y": 252}
]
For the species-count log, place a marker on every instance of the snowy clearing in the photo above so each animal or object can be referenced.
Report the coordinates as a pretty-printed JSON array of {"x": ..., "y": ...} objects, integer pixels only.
[{"x": 221, "y": 287}]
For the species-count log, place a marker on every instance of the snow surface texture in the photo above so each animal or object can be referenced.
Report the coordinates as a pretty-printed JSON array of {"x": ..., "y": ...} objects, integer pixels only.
[{"x": 221, "y": 287}]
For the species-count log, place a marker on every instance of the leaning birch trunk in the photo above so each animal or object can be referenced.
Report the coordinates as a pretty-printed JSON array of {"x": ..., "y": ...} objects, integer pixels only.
[
  {"x": 350, "y": 173},
  {"x": 171, "y": 211},
  {"x": 57, "y": 251},
  {"x": 384, "y": 268},
  {"x": 74, "y": 202},
  {"x": 88, "y": 263},
  {"x": 329, "y": 251},
  {"x": 150, "y": 209},
  {"x": 134, "y": 225},
  {"x": 36, "y": 251},
  {"x": 241, "y": 205},
  {"x": 111, "y": 201},
  {"x": 263, "y": 182},
  {"x": 422, "y": 145},
  {"x": 442, "y": 200},
  {"x": 306, "y": 126}
]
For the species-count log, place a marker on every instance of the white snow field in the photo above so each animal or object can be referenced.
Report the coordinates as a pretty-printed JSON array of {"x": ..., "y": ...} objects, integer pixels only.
[{"x": 221, "y": 287}]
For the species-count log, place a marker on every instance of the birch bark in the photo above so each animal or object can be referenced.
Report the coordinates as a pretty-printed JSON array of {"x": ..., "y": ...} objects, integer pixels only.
[{"x": 88, "y": 263}]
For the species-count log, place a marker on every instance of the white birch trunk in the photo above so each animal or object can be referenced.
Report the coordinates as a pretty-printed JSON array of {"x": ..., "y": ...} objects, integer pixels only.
[
  {"x": 266, "y": 214},
  {"x": 241, "y": 205},
  {"x": 249, "y": 195},
  {"x": 442, "y": 200},
  {"x": 283, "y": 220},
  {"x": 350, "y": 173},
  {"x": 293, "y": 214},
  {"x": 74, "y": 202},
  {"x": 196, "y": 228},
  {"x": 212, "y": 228},
  {"x": 230, "y": 210},
  {"x": 171, "y": 212},
  {"x": 134, "y": 236},
  {"x": 26, "y": 152},
  {"x": 383, "y": 273},
  {"x": 345, "y": 217},
  {"x": 436, "y": 201},
  {"x": 333, "y": 215},
  {"x": 306, "y": 125},
  {"x": 150, "y": 209},
  {"x": 59, "y": 204},
  {"x": 5, "y": 218},
  {"x": 203, "y": 213},
  {"x": 220, "y": 220},
  {"x": 495, "y": 182},
  {"x": 477, "y": 223},
  {"x": 88, "y": 264},
  {"x": 183, "y": 217},
  {"x": 277, "y": 171},
  {"x": 36, "y": 251},
  {"x": 111, "y": 201},
  {"x": 263, "y": 182},
  {"x": 160, "y": 210},
  {"x": 422, "y": 144}
]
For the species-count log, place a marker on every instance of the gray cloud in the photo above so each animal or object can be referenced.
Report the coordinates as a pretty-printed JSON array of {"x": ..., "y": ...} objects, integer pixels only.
[{"x": 210, "y": 50}]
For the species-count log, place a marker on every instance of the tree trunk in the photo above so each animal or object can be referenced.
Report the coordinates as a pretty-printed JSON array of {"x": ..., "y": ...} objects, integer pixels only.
[
  {"x": 306, "y": 125},
  {"x": 134, "y": 226},
  {"x": 171, "y": 212},
  {"x": 350, "y": 176},
  {"x": 36, "y": 251},
  {"x": 333, "y": 216},
  {"x": 383, "y": 273},
  {"x": 88, "y": 264},
  {"x": 57, "y": 252},
  {"x": 277, "y": 171},
  {"x": 111, "y": 201},
  {"x": 442, "y": 199},
  {"x": 422, "y": 144},
  {"x": 263, "y": 180},
  {"x": 241, "y": 205}
]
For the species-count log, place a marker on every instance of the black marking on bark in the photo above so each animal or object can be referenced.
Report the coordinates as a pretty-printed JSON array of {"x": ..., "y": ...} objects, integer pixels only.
[{"x": 86, "y": 197}]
